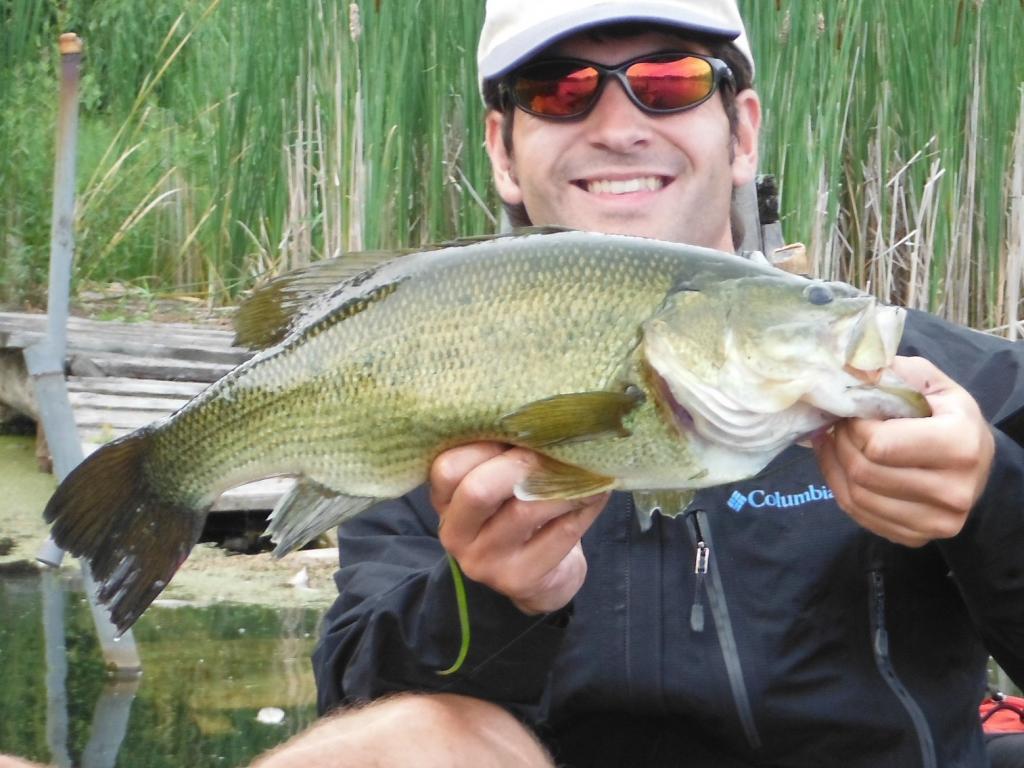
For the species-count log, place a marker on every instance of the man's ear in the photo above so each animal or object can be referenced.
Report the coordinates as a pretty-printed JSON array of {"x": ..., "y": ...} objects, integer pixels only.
[
  {"x": 748, "y": 129},
  {"x": 505, "y": 180}
]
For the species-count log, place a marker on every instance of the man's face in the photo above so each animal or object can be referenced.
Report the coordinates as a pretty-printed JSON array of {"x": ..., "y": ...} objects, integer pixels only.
[{"x": 621, "y": 171}]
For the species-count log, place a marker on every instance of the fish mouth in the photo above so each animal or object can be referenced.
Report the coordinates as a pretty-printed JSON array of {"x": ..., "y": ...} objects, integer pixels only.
[
  {"x": 620, "y": 184},
  {"x": 873, "y": 340}
]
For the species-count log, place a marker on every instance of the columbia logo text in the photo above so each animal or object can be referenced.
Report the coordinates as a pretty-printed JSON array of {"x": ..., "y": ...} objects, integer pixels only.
[{"x": 760, "y": 498}]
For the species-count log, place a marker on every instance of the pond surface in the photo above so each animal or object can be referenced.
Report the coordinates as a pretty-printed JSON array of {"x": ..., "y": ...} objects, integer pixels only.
[
  {"x": 207, "y": 671},
  {"x": 207, "y": 674}
]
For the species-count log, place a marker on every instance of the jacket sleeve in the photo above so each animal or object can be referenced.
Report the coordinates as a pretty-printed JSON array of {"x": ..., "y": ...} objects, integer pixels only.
[
  {"x": 395, "y": 622},
  {"x": 987, "y": 558}
]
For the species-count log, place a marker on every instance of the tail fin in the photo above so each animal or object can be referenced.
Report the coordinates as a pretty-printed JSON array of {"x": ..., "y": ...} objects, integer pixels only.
[{"x": 134, "y": 540}]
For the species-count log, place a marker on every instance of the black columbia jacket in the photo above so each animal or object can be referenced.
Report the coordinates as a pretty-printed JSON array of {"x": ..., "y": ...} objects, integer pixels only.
[{"x": 807, "y": 642}]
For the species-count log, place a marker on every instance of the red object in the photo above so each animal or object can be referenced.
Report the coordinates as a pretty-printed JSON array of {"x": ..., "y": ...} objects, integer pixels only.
[{"x": 1002, "y": 714}]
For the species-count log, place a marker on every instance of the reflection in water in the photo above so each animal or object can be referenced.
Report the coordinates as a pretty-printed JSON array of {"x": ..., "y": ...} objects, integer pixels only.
[{"x": 207, "y": 672}]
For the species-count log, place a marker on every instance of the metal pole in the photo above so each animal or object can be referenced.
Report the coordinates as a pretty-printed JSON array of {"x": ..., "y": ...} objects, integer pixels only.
[
  {"x": 110, "y": 723},
  {"x": 56, "y": 670},
  {"x": 45, "y": 359},
  {"x": 50, "y": 353},
  {"x": 62, "y": 227}
]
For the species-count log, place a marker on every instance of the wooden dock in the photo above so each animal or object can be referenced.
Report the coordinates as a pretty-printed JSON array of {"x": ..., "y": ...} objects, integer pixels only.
[{"x": 122, "y": 376}]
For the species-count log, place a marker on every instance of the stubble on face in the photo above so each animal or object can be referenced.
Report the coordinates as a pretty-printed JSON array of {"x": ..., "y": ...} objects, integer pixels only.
[{"x": 620, "y": 170}]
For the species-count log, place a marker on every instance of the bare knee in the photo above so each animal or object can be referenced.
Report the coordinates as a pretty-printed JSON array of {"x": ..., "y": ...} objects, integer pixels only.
[
  {"x": 10, "y": 761},
  {"x": 414, "y": 729}
]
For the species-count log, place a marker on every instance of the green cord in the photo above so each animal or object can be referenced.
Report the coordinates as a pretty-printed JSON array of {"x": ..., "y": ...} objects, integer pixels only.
[{"x": 460, "y": 600}]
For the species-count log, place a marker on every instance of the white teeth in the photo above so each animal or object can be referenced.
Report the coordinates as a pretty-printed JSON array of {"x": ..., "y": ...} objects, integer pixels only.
[{"x": 624, "y": 186}]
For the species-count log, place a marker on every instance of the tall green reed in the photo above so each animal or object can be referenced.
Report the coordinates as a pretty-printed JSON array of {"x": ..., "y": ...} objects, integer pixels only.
[
  {"x": 222, "y": 139},
  {"x": 891, "y": 127},
  {"x": 239, "y": 137}
]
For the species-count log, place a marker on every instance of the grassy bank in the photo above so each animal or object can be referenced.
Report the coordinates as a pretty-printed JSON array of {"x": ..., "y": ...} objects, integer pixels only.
[{"x": 221, "y": 139}]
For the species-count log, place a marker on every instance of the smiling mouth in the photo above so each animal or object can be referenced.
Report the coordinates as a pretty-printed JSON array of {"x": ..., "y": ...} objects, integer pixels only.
[{"x": 623, "y": 186}]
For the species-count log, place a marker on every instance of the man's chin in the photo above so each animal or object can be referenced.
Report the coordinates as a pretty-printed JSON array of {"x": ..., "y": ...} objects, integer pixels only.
[
  {"x": 651, "y": 224},
  {"x": 613, "y": 225},
  {"x": 632, "y": 227}
]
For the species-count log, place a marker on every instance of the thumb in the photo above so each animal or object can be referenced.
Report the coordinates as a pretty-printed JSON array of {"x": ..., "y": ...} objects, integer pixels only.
[
  {"x": 922, "y": 375},
  {"x": 943, "y": 394}
]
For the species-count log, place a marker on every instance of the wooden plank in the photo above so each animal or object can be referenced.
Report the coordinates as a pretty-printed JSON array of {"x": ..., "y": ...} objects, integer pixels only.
[
  {"x": 184, "y": 330},
  {"x": 128, "y": 375},
  {"x": 148, "y": 368},
  {"x": 117, "y": 385},
  {"x": 103, "y": 419},
  {"x": 99, "y": 401},
  {"x": 102, "y": 345},
  {"x": 13, "y": 321},
  {"x": 93, "y": 437},
  {"x": 263, "y": 494},
  {"x": 212, "y": 337},
  {"x": 144, "y": 344},
  {"x": 18, "y": 331}
]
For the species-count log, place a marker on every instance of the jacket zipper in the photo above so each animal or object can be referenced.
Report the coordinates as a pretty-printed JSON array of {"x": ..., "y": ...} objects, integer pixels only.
[
  {"x": 880, "y": 648},
  {"x": 700, "y": 572},
  {"x": 708, "y": 579}
]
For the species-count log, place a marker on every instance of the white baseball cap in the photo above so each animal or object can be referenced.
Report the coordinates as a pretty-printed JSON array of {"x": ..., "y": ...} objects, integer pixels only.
[{"x": 515, "y": 30}]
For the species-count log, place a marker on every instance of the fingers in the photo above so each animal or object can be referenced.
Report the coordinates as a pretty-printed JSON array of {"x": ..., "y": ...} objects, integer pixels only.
[
  {"x": 486, "y": 486},
  {"x": 912, "y": 480},
  {"x": 922, "y": 375},
  {"x": 897, "y": 515},
  {"x": 535, "y": 536},
  {"x": 545, "y": 572},
  {"x": 449, "y": 469},
  {"x": 566, "y": 523},
  {"x": 955, "y": 434},
  {"x": 943, "y": 441},
  {"x": 528, "y": 550}
]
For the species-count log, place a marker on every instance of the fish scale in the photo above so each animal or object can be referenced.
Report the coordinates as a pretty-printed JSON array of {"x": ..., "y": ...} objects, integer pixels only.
[{"x": 580, "y": 346}]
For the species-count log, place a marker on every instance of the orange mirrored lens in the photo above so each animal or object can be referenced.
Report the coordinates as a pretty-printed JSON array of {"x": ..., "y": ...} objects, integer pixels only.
[
  {"x": 563, "y": 88},
  {"x": 671, "y": 84},
  {"x": 558, "y": 95}
]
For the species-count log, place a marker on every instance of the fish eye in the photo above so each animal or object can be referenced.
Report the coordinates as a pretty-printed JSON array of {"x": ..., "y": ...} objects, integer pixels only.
[{"x": 818, "y": 294}]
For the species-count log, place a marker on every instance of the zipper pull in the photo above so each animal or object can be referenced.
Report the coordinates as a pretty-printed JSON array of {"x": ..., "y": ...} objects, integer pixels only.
[{"x": 700, "y": 570}]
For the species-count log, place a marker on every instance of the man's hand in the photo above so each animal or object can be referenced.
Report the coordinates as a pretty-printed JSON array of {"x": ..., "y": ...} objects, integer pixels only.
[
  {"x": 529, "y": 551},
  {"x": 912, "y": 480}
]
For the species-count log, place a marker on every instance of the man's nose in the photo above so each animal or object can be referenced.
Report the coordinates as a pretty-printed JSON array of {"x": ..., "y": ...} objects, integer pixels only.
[{"x": 615, "y": 122}]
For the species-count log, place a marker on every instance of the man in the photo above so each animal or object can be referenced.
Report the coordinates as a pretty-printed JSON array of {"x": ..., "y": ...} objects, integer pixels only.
[{"x": 843, "y": 604}]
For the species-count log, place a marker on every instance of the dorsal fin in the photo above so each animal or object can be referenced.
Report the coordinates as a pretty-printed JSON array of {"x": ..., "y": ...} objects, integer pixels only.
[
  {"x": 277, "y": 307},
  {"x": 280, "y": 305}
]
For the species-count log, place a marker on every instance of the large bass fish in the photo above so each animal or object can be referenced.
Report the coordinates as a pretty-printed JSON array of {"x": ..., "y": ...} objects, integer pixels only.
[{"x": 626, "y": 362}]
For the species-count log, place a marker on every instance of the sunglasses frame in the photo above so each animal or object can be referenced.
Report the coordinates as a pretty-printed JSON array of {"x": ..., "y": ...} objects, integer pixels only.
[{"x": 719, "y": 69}]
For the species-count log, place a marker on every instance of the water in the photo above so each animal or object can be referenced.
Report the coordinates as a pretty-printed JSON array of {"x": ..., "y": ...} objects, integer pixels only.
[
  {"x": 207, "y": 673},
  {"x": 25, "y": 491}
]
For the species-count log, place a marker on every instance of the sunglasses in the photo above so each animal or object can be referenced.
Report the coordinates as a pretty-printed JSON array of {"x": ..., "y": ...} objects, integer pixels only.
[{"x": 659, "y": 84}]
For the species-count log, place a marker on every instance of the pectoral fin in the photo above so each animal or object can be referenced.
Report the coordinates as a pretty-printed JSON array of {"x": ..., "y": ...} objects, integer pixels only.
[
  {"x": 577, "y": 416},
  {"x": 667, "y": 503},
  {"x": 555, "y": 480}
]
